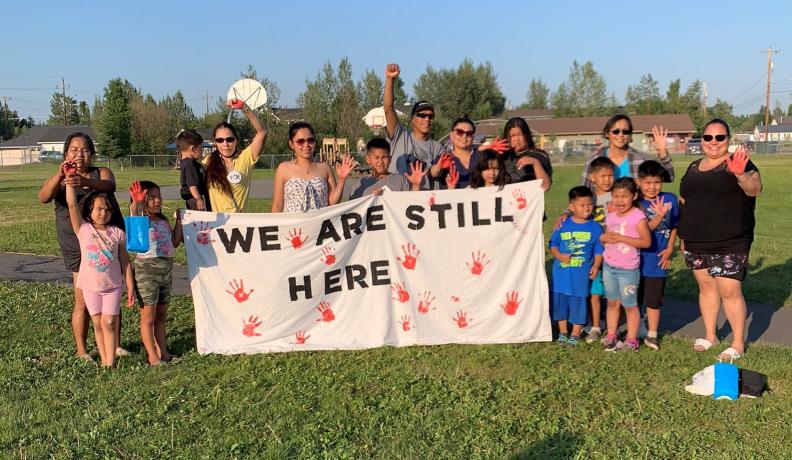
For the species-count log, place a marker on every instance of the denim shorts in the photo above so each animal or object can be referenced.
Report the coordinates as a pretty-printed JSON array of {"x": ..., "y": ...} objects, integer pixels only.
[{"x": 621, "y": 284}]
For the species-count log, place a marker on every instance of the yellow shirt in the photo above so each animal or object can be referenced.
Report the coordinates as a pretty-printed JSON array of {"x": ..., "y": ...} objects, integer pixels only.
[{"x": 243, "y": 164}]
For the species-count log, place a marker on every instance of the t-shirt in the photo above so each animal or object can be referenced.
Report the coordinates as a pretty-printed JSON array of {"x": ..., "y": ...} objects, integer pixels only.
[
  {"x": 160, "y": 243},
  {"x": 717, "y": 217},
  {"x": 193, "y": 174},
  {"x": 527, "y": 173},
  {"x": 622, "y": 169},
  {"x": 464, "y": 173},
  {"x": 601, "y": 204},
  {"x": 660, "y": 235},
  {"x": 582, "y": 241},
  {"x": 368, "y": 184},
  {"x": 622, "y": 255},
  {"x": 100, "y": 268},
  {"x": 406, "y": 149},
  {"x": 243, "y": 164}
]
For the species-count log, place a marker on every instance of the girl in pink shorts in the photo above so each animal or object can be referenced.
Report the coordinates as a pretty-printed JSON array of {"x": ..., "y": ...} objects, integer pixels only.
[{"x": 104, "y": 260}]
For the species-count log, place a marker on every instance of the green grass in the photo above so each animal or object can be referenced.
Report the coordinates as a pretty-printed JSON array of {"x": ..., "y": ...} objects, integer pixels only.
[
  {"x": 27, "y": 226},
  {"x": 504, "y": 401}
]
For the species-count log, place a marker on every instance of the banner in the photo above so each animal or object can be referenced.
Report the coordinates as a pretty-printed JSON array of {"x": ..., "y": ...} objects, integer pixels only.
[{"x": 403, "y": 268}]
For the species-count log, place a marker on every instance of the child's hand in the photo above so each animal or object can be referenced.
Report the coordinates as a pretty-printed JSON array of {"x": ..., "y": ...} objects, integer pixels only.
[
  {"x": 593, "y": 272},
  {"x": 453, "y": 177},
  {"x": 660, "y": 207},
  {"x": 564, "y": 258},
  {"x": 610, "y": 237},
  {"x": 130, "y": 296},
  {"x": 238, "y": 104},
  {"x": 665, "y": 258},
  {"x": 137, "y": 193}
]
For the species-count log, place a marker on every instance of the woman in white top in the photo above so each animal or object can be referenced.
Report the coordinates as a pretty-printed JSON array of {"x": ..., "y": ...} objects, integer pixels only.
[{"x": 303, "y": 184}]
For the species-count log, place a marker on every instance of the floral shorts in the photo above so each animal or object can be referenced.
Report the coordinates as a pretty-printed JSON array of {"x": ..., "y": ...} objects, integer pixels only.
[{"x": 734, "y": 266}]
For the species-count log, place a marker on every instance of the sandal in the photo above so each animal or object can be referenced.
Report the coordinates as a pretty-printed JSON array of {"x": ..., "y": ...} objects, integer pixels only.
[
  {"x": 702, "y": 345},
  {"x": 87, "y": 358},
  {"x": 729, "y": 354}
]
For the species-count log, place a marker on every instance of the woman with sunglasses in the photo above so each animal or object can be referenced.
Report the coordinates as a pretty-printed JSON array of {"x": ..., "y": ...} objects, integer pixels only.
[
  {"x": 460, "y": 158},
  {"x": 618, "y": 131},
  {"x": 716, "y": 225},
  {"x": 523, "y": 160},
  {"x": 228, "y": 172},
  {"x": 303, "y": 184}
]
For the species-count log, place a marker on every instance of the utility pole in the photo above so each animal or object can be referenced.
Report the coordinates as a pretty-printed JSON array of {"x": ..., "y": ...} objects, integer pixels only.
[
  {"x": 6, "y": 131},
  {"x": 62, "y": 86},
  {"x": 705, "y": 100},
  {"x": 770, "y": 52},
  {"x": 207, "y": 98}
]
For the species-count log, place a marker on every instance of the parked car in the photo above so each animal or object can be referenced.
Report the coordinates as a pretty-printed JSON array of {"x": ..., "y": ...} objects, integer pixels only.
[
  {"x": 50, "y": 155},
  {"x": 693, "y": 147}
]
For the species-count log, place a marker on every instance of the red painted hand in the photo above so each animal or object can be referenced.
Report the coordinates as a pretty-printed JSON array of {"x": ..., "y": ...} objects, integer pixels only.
[
  {"x": 446, "y": 160},
  {"x": 405, "y": 323},
  {"x": 68, "y": 167},
  {"x": 238, "y": 104},
  {"x": 453, "y": 177},
  {"x": 479, "y": 261},
  {"x": 410, "y": 256},
  {"x": 137, "y": 193},
  {"x": 461, "y": 319},
  {"x": 401, "y": 294},
  {"x": 738, "y": 161},
  {"x": 512, "y": 303},
  {"x": 326, "y": 311},
  {"x": 499, "y": 145},
  {"x": 519, "y": 198},
  {"x": 425, "y": 304},
  {"x": 204, "y": 233},
  {"x": 238, "y": 290},
  {"x": 328, "y": 254},
  {"x": 249, "y": 326},
  {"x": 295, "y": 236},
  {"x": 301, "y": 337}
]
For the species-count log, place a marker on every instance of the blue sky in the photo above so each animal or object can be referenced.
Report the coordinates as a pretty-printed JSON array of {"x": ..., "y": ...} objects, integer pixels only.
[{"x": 203, "y": 46}]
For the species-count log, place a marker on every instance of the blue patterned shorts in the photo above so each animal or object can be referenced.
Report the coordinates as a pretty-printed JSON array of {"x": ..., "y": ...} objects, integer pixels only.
[{"x": 733, "y": 266}]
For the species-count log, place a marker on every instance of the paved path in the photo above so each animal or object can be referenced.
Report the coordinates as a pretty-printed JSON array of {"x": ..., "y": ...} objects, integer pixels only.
[{"x": 765, "y": 323}]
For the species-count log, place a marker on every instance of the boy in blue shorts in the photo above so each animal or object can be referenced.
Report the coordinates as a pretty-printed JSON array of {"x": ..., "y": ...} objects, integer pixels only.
[
  {"x": 662, "y": 212},
  {"x": 601, "y": 174},
  {"x": 577, "y": 251}
]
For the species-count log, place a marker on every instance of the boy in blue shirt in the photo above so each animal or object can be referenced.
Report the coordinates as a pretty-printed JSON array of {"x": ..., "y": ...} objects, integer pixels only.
[
  {"x": 577, "y": 251},
  {"x": 662, "y": 212}
]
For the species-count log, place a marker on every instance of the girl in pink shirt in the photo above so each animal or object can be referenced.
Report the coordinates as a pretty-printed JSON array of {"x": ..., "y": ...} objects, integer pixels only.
[
  {"x": 626, "y": 231},
  {"x": 104, "y": 260}
]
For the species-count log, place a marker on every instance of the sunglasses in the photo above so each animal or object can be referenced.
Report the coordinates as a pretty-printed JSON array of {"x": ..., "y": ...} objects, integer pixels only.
[
  {"x": 220, "y": 140},
  {"x": 301, "y": 142},
  {"x": 616, "y": 132},
  {"x": 717, "y": 137},
  {"x": 425, "y": 115},
  {"x": 462, "y": 133}
]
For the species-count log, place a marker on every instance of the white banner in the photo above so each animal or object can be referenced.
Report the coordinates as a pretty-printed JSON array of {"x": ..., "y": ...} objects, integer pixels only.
[{"x": 404, "y": 268}]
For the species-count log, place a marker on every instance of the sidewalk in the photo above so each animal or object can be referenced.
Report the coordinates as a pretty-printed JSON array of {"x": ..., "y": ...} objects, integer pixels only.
[{"x": 765, "y": 323}]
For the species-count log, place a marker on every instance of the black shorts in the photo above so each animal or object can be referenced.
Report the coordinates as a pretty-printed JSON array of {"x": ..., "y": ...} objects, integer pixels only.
[
  {"x": 732, "y": 265},
  {"x": 650, "y": 291}
]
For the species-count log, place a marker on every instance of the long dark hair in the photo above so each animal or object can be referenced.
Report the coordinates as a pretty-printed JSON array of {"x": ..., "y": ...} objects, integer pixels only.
[
  {"x": 518, "y": 122},
  {"x": 88, "y": 141},
  {"x": 482, "y": 164},
  {"x": 216, "y": 173},
  {"x": 86, "y": 206}
]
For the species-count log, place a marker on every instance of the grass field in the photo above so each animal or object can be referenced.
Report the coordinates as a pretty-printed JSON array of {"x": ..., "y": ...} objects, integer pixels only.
[
  {"x": 506, "y": 401},
  {"x": 27, "y": 226}
]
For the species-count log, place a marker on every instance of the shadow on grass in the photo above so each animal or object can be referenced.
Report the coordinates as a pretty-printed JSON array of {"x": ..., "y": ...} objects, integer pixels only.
[{"x": 560, "y": 445}]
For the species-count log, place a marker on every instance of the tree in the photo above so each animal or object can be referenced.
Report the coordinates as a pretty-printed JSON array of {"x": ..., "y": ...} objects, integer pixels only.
[
  {"x": 58, "y": 107},
  {"x": 346, "y": 104},
  {"x": 673, "y": 98},
  {"x": 85, "y": 113},
  {"x": 789, "y": 110},
  {"x": 114, "y": 127},
  {"x": 644, "y": 98},
  {"x": 722, "y": 110},
  {"x": 370, "y": 89},
  {"x": 538, "y": 96},
  {"x": 778, "y": 113},
  {"x": 585, "y": 93},
  {"x": 179, "y": 114}
]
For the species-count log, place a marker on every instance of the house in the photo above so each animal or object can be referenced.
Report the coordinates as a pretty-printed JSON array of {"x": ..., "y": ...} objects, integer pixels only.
[
  {"x": 528, "y": 114},
  {"x": 28, "y": 147},
  {"x": 777, "y": 130},
  {"x": 585, "y": 133}
]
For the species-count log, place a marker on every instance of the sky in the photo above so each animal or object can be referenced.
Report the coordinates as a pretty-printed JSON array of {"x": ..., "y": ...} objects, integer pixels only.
[{"x": 199, "y": 47}]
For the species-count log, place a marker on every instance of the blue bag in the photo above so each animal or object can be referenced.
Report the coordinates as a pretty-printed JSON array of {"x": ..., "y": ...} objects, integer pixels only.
[
  {"x": 137, "y": 233},
  {"x": 727, "y": 378}
]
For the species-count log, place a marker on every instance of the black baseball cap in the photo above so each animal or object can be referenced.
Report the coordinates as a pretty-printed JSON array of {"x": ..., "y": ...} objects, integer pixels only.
[{"x": 421, "y": 105}]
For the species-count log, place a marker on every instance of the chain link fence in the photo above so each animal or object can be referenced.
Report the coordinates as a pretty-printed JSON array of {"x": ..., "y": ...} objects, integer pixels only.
[{"x": 31, "y": 159}]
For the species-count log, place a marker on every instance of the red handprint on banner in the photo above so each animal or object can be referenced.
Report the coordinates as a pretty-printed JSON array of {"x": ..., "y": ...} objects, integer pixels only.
[
  {"x": 461, "y": 319},
  {"x": 401, "y": 294},
  {"x": 432, "y": 199},
  {"x": 249, "y": 326},
  {"x": 301, "y": 337},
  {"x": 479, "y": 261},
  {"x": 454, "y": 299},
  {"x": 204, "y": 233},
  {"x": 519, "y": 197},
  {"x": 405, "y": 323},
  {"x": 410, "y": 256},
  {"x": 238, "y": 290},
  {"x": 425, "y": 303},
  {"x": 295, "y": 236},
  {"x": 512, "y": 303},
  {"x": 328, "y": 255},
  {"x": 326, "y": 311}
]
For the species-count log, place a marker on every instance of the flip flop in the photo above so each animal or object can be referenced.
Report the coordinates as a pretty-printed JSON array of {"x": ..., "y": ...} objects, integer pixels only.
[
  {"x": 702, "y": 345},
  {"x": 729, "y": 354}
]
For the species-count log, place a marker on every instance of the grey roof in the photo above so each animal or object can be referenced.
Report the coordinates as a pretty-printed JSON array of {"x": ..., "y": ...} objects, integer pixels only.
[
  {"x": 46, "y": 133},
  {"x": 775, "y": 129}
]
